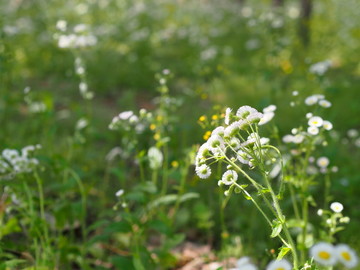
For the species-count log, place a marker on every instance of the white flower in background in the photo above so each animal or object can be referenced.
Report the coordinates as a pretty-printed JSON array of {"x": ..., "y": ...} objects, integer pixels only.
[
  {"x": 61, "y": 25},
  {"x": 315, "y": 121},
  {"x": 311, "y": 100},
  {"x": 325, "y": 103},
  {"x": 235, "y": 144},
  {"x": 229, "y": 177},
  {"x": 309, "y": 115},
  {"x": 346, "y": 255},
  {"x": 323, "y": 253},
  {"x": 323, "y": 162},
  {"x": 352, "y": 133},
  {"x": 313, "y": 130},
  {"x": 125, "y": 115},
  {"x": 113, "y": 153},
  {"x": 288, "y": 138},
  {"x": 327, "y": 125},
  {"x": 244, "y": 263},
  {"x": 320, "y": 68},
  {"x": 279, "y": 265},
  {"x": 245, "y": 111},
  {"x": 320, "y": 212},
  {"x": 11, "y": 161},
  {"x": 227, "y": 116},
  {"x": 216, "y": 144},
  {"x": 119, "y": 193},
  {"x": 357, "y": 142},
  {"x": 219, "y": 131},
  {"x": 298, "y": 138},
  {"x": 82, "y": 123},
  {"x": 203, "y": 171},
  {"x": 155, "y": 158},
  {"x": 268, "y": 114},
  {"x": 243, "y": 157},
  {"x": 336, "y": 207}
]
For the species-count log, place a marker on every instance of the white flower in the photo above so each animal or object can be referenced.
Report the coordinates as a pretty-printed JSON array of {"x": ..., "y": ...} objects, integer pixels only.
[
  {"x": 235, "y": 143},
  {"x": 346, "y": 255},
  {"x": 81, "y": 123},
  {"x": 288, "y": 138},
  {"x": 229, "y": 177},
  {"x": 125, "y": 115},
  {"x": 215, "y": 144},
  {"x": 61, "y": 25},
  {"x": 227, "y": 116},
  {"x": 248, "y": 266},
  {"x": 279, "y": 265},
  {"x": 313, "y": 130},
  {"x": 155, "y": 158},
  {"x": 243, "y": 157},
  {"x": 311, "y": 100},
  {"x": 244, "y": 111},
  {"x": 218, "y": 131},
  {"x": 352, "y": 133},
  {"x": 336, "y": 207},
  {"x": 320, "y": 68},
  {"x": 119, "y": 193},
  {"x": 242, "y": 261},
  {"x": 298, "y": 138},
  {"x": 203, "y": 171},
  {"x": 309, "y": 115},
  {"x": 270, "y": 108},
  {"x": 320, "y": 212},
  {"x": 323, "y": 253},
  {"x": 323, "y": 162},
  {"x": 327, "y": 125},
  {"x": 267, "y": 117},
  {"x": 325, "y": 103},
  {"x": 315, "y": 121}
]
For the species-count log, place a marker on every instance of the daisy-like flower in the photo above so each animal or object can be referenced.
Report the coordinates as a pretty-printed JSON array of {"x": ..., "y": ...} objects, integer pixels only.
[
  {"x": 244, "y": 111},
  {"x": 229, "y": 177},
  {"x": 279, "y": 265},
  {"x": 227, "y": 115},
  {"x": 327, "y": 125},
  {"x": 243, "y": 157},
  {"x": 323, "y": 162},
  {"x": 267, "y": 117},
  {"x": 313, "y": 130},
  {"x": 298, "y": 138},
  {"x": 311, "y": 100},
  {"x": 233, "y": 129},
  {"x": 315, "y": 121},
  {"x": 325, "y": 103},
  {"x": 309, "y": 115},
  {"x": 203, "y": 171},
  {"x": 125, "y": 115},
  {"x": 352, "y": 133},
  {"x": 346, "y": 255},
  {"x": 245, "y": 264},
  {"x": 254, "y": 117},
  {"x": 336, "y": 207},
  {"x": 215, "y": 143},
  {"x": 270, "y": 108},
  {"x": 288, "y": 138},
  {"x": 119, "y": 193},
  {"x": 323, "y": 253},
  {"x": 235, "y": 143},
  {"x": 219, "y": 131}
]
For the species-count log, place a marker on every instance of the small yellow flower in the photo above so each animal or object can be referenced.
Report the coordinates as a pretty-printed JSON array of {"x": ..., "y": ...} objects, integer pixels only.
[
  {"x": 204, "y": 96},
  {"x": 174, "y": 164},
  {"x": 157, "y": 136},
  {"x": 202, "y": 118},
  {"x": 152, "y": 126},
  {"x": 214, "y": 117},
  {"x": 207, "y": 135}
]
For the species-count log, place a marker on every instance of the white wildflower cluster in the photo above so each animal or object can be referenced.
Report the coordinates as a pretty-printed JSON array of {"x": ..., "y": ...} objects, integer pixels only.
[
  {"x": 268, "y": 114},
  {"x": 321, "y": 164},
  {"x": 14, "y": 162},
  {"x": 34, "y": 106},
  {"x": 353, "y": 137},
  {"x": 79, "y": 37},
  {"x": 315, "y": 123},
  {"x": 128, "y": 120},
  {"x": 80, "y": 70},
  {"x": 246, "y": 264},
  {"x": 328, "y": 255},
  {"x": 236, "y": 141},
  {"x": 155, "y": 157},
  {"x": 320, "y": 68},
  {"x": 317, "y": 99}
]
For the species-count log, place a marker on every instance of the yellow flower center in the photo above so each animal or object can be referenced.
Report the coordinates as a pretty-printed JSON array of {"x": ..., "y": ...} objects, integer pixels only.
[
  {"x": 346, "y": 255},
  {"x": 280, "y": 268},
  {"x": 324, "y": 255}
]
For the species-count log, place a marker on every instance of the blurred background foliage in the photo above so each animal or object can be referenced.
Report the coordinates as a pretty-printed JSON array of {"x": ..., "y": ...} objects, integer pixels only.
[{"x": 220, "y": 53}]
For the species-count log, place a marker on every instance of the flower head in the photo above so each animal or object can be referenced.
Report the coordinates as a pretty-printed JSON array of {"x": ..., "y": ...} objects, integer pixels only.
[
  {"x": 323, "y": 253},
  {"x": 346, "y": 255},
  {"x": 336, "y": 207},
  {"x": 203, "y": 171},
  {"x": 323, "y": 162},
  {"x": 313, "y": 130},
  {"x": 229, "y": 177},
  {"x": 279, "y": 265},
  {"x": 315, "y": 121}
]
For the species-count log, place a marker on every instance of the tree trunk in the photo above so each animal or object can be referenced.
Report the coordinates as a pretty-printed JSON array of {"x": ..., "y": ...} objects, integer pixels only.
[{"x": 305, "y": 16}]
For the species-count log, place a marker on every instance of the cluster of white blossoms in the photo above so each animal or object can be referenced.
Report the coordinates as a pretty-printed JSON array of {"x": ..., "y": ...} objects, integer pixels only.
[
  {"x": 317, "y": 99},
  {"x": 320, "y": 68},
  {"x": 79, "y": 37},
  {"x": 315, "y": 122},
  {"x": 236, "y": 141},
  {"x": 246, "y": 264},
  {"x": 14, "y": 162},
  {"x": 128, "y": 120},
  {"x": 328, "y": 255}
]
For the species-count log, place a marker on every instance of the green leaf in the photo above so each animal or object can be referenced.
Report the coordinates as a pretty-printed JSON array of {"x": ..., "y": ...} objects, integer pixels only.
[
  {"x": 118, "y": 227},
  {"x": 283, "y": 252},
  {"x": 277, "y": 228}
]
